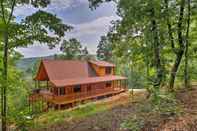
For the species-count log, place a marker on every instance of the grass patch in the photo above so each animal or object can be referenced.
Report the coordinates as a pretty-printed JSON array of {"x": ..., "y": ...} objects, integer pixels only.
[{"x": 55, "y": 117}]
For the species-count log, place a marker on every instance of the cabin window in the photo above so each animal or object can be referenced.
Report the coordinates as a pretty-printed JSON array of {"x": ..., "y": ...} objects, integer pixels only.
[
  {"x": 55, "y": 91},
  {"x": 108, "y": 84},
  {"x": 62, "y": 91},
  {"x": 77, "y": 88},
  {"x": 108, "y": 70}
]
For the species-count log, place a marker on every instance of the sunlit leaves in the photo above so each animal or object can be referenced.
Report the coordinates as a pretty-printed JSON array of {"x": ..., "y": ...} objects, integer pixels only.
[
  {"x": 35, "y": 3},
  {"x": 49, "y": 21},
  {"x": 71, "y": 49},
  {"x": 104, "y": 49}
]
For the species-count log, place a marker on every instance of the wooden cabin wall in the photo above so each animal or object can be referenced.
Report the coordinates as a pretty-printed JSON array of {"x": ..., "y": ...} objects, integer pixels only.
[
  {"x": 70, "y": 89},
  {"x": 101, "y": 70},
  {"x": 97, "y": 86},
  {"x": 41, "y": 75}
]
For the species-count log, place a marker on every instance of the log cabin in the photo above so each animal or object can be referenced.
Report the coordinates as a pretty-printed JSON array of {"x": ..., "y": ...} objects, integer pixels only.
[{"x": 68, "y": 82}]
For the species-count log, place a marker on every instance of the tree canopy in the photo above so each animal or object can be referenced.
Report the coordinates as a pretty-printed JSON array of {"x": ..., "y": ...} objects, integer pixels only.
[{"x": 34, "y": 28}]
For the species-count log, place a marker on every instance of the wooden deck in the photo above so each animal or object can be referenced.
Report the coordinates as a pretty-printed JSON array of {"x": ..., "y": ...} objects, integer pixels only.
[{"x": 75, "y": 97}]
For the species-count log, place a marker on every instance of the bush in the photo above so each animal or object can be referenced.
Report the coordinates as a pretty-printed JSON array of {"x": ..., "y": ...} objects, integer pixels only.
[
  {"x": 157, "y": 108},
  {"x": 133, "y": 124}
]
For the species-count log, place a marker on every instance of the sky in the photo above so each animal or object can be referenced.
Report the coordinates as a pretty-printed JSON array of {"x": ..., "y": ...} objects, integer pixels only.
[{"x": 89, "y": 25}]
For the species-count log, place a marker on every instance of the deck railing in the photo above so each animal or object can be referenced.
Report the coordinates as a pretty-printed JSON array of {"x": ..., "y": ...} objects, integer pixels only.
[{"x": 79, "y": 96}]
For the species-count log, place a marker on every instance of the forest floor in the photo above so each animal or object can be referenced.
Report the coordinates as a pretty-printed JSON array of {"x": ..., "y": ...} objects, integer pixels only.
[{"x": 141, "y": 113}]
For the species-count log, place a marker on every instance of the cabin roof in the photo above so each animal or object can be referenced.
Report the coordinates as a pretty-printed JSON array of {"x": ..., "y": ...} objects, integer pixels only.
[
  {"x": 102, "y": 63},
  {"x": 72, "y": 72},
  {"x": 88, "y": 80},
  {"x": 65, "y": 69}
]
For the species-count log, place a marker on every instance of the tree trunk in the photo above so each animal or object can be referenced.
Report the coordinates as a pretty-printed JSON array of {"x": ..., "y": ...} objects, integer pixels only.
[
  {"x": 156, "y": 49},
  {"x": 5, "y": 78},
  {"x": 186, "y": 75},
  {"x": 174, "y": 70},
  {"x": 179, "y": 53},
  {"x": 186, "y": 72}
]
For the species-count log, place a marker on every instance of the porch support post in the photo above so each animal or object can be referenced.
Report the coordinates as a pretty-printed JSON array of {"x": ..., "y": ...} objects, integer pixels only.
[
  {"x": 120, "y": 84},
  {"x": 47, "y": 84},
  {"x": 35, "y": 83},
  {"x": 125, "y": 85},
  {"x": 116, "y": 84},
  {"x": 38, "y": 84},
  {"x": 113, "y": 84},
  {"x": 58, "y": 89}
]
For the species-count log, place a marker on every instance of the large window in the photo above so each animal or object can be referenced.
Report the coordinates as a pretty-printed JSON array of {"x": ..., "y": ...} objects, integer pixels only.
[
  {"x": 77, "y": 88},
  {"x": 108, "y": 70},
  {"x": 62, "y": 91}
]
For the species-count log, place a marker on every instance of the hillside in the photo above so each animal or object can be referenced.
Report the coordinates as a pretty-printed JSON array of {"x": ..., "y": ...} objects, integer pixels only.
[
  {"x": 28, "y": 63},
  {"x": 127, "y": 117}
]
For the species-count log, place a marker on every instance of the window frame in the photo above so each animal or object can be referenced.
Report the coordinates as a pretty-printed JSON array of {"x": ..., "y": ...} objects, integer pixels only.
[
  {"x": 108, "y": 83},
  {"x": 108, "y": 70},
  {"x": 62, "y": 91},
  {"x": 77, "y": 88}
]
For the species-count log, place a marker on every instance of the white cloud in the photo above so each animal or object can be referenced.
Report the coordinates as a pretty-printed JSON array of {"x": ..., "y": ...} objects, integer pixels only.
[
  {"x": 38, "y": 50},
  {"x": 99, "y": 25},
  {"x": 92, "y": 24},
  {"x": 24, "y": 10},
  {"x": 89, "y": 33}
]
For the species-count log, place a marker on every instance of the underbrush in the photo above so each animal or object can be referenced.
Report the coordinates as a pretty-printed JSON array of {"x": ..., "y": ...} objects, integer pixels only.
[
  {"x": 152, "y": 112},
  {"x": 55, "y": 117}
]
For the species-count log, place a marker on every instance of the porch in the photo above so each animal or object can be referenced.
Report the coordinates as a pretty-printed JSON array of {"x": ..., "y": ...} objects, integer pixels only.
[{"x": 54, "y": 95}]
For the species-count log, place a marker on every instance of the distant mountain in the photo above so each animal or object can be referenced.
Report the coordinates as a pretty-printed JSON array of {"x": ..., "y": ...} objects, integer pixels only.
[{"x": 28, "y": 63}]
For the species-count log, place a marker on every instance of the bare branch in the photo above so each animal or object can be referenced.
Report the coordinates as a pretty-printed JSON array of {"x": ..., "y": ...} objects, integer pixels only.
[{"x": 12, "y": 10}]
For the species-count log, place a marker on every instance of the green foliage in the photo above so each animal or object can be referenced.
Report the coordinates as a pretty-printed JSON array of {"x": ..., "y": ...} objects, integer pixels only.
[
  {"x": 42, "y": 27},
  {"x": 53, "y": 117},
  {"x": 17, "y": 103},
  {"x": 136, "y": 79},
  {"x": 135, "y": 43},
  {"x": 133, "y": 124},
  {"x": 71, "y": 49},
  {"x": 166, "y": 104},
  {"x": 157, "y": 109},
  {"x": 36, "y": 28},
  {"x": 23, "y": 119},
  {"x": 104, "y": 49}
]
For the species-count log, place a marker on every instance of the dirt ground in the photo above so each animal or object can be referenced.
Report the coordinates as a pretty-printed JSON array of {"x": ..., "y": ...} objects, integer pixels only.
[
  {"x": 111, "y": 120},
  {"x": 187, "y": 122}
]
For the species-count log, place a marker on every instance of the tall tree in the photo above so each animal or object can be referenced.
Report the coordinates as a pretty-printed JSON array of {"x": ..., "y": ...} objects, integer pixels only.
[
  {"x": 104, "y": 49},
  {"x": 71, "y": 49},
  {"x": 186, "y": 72},
  {"x": 180, "y": 50},
  {"x": 163, "y": 24},
  {"x": 33, "y": 28},
  {"x": 85, "y": 54}
]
